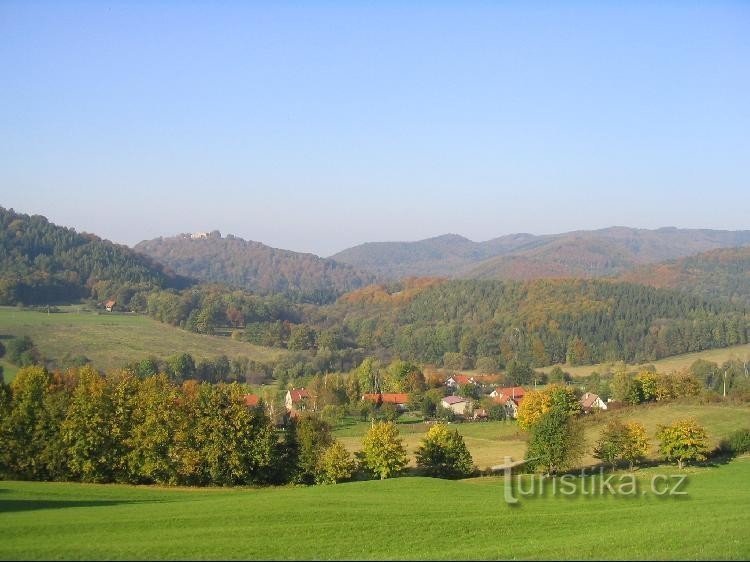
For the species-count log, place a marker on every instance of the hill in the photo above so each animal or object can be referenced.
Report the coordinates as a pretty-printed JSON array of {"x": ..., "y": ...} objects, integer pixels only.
[
  {"x": 723, "y": 273},
  {"x": 538, "y": 322},
  {"x": 111, "y": 340},
  {"x": 594, "y": 253},
  {"x": 254, "y": 266},
  {"x": 42, "y": 263},
  {"x": 378, "y": 520}
]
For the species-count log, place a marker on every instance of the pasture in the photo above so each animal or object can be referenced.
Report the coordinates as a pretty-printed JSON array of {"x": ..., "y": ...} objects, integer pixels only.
[
  {"x": 411, "y": 518},
  {"x": 111, "y": 340}
]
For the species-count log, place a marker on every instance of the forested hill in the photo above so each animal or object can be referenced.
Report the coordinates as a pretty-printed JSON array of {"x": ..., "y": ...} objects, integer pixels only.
[
  {"x": 42, "y": 263},
  {"x": 538, "y": 322},
  {"x": 596, "y": 253},
  {"x": 723, "y": 273},
  {"x": 255, "y": 267}
]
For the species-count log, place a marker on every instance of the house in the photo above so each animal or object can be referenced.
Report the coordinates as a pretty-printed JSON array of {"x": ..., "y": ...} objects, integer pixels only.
[
  {"x": 516, "y": 393},
  {"x": 454, "y": 381},
  {"x": 251, "y": 400},
  {"x": 296, "y": 399},
  {"x": 510, "y": 405},
  {"x": 458, "y": 404},
  {"x": 110, "y": 305},
  {"x": 399, "y": 400},
  {"x": 590, "y": 401}
]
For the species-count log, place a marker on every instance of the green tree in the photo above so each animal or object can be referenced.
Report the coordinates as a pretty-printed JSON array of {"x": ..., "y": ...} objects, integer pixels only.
[
  {"x": 313, "y": 438},
  {"x": 87, "y": 429},
  {"x": 336, "y": 465},
  {"x": 443, "y": 453},
  {"x": 683, "y": 441},
  {"x": 622, "y": 442},
  {"x": 383, "y": 450},
  {"x": 556, "y": 442}
]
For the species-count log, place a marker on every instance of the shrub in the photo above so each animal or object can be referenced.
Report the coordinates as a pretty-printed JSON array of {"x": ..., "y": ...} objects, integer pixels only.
[
  {"x": 443, "y": 453},
  {"x": 336, "y": 465},
  {"x": 737, "y": 443}
]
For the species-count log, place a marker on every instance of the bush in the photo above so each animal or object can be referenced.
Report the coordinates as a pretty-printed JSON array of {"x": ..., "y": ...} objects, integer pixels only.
[
  {"x": 737, "y": 443},
  {"x": 336, "y": 465},
  {"x": 443, "y": 454}
]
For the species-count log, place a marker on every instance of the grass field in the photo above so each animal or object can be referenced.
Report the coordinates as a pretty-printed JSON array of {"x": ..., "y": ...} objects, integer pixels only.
[
  {"x": 490, "y": 442},
  {"x": 414, "y": 518},
  {"x": 668, "y": 364},
  {"x": 111, "y": 340}
]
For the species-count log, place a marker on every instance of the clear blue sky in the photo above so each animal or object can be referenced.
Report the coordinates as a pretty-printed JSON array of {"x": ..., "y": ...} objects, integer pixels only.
[{"x": 315, "y": 126}]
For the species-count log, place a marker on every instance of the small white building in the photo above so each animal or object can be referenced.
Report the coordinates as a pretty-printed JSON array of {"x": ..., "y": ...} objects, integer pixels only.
[
  {"x": 457, "y": 404},
  {"x": 591, "y": 401}
]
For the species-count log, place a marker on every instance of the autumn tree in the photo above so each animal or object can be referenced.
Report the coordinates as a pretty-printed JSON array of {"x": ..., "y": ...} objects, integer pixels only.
[
  {"x": 443, "y": 453},
  {"x": 383, "y": 450},
  {"x": 86, "y": 430},
  {"x": 622, "y": 442},
  {"x": 335, "y": 465},
  {"x": 683, "y": 441}
]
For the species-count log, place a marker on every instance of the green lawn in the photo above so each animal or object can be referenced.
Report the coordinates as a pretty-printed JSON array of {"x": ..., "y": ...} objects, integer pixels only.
[
  {"x": 401, "y": 518},
  {"x": 110, "y": 340}
]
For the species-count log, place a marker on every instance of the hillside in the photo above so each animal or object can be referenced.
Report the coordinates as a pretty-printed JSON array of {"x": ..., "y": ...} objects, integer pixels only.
[
  {"x": 723, "y": 273},
  {"x": 255, "y": 267},
  {"x": 594, "y": 253},
  {"x": 42, "y": 263},
  {"x": 538, "y": 322}
]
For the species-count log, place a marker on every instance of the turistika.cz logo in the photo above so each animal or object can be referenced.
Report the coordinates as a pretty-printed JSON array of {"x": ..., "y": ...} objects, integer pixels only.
[{"x": 588, "y": 483}]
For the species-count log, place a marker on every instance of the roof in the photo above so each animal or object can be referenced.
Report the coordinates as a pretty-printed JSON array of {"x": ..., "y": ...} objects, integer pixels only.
[
  {"x": 299, "y": 394},
  {"x": 462, "y": 379},
  {"x": 588, "y": 400},
  {"x": 512, "y": 391},
  {"x": 387, "y": 397},
  {"x": 251, "y": 400},
  {"x": 454, "y": 400},
  {"x": 504, "y": 399}
]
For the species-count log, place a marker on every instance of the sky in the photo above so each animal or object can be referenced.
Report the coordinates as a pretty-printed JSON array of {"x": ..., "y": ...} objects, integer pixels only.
[{"x": 316, "y": 126}]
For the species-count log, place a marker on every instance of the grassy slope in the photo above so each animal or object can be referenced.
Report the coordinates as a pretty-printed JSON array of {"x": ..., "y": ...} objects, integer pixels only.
[
  {"x": 668, "y": 364},
  {"x": 111, "y": 340},
  {"x": 416, "y": 518}
]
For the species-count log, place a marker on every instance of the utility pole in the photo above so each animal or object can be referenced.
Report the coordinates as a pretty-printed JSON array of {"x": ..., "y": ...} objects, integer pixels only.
[{"x": 725, "y": 383}]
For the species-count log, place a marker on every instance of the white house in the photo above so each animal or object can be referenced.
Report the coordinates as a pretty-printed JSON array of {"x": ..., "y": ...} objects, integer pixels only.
[
  {"x": 591, "y": 401},
  {"x": 458, "y": 404}
]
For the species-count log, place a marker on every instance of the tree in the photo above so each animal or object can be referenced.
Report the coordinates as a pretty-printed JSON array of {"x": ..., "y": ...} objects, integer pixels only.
[
  {"x": 336, "y": 465},
  {"x": 556, "y": 442},
  {"x": 313, "y": 439},
  {"x": 683, "y": 441},
  {"x": 537, "y": 403},
  {"x": 443, "y": 453},
  {"x": 622, "y": 442},
  {"x": 87, "y": 429},
  {"x": 383, "y": 450}
]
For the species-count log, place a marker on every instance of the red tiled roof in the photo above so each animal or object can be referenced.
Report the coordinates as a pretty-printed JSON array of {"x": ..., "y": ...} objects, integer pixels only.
[
  {"x": 588, "y": 400},
  {"x": 299, "y": 394},
  {"x": 251, "y": 400},
  {"x": 463, "y": 379},
  {"x": 514, "y": 392},
  {"x": 454, "y": 400},
  {"x": 387, "y": 398}
]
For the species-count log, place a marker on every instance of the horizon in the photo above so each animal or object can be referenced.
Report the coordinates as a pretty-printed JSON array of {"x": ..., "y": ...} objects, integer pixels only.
[{"x": 319, "y": 127}]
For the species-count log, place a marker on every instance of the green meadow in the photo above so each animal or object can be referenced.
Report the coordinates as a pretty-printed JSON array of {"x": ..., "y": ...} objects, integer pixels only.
[
  {"x": 490, "y": 442},
  {"x": 399, "y": 518},
  {"x": 111, "y": 340}
]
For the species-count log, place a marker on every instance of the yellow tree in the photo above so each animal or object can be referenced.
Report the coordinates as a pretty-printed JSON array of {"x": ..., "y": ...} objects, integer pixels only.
[
  {"x": 683, "y": 441},
  {"x": 383, "y": 450}
]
